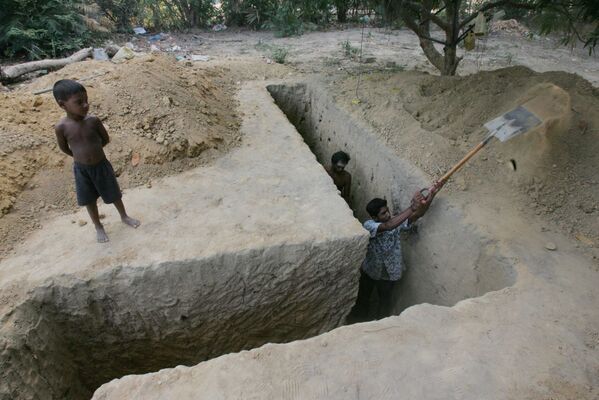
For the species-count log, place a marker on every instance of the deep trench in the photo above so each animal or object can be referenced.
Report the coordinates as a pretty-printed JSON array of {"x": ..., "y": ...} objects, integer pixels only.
[
  {"x": 447, "y": 259},
  {"x": 68, "y": 339},
  {"x": 71, "y": 339}
]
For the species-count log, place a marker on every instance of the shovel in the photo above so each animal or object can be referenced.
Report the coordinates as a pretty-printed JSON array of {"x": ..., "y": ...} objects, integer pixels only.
[{"x": 505, "y": 127}]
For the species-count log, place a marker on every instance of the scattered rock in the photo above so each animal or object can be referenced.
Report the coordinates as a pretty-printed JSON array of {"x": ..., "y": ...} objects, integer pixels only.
[
  {"x": 124, "y": 53},
  {"x": 550, "y": 246},
  {"x": 584, "y": 239},
  {"x": 82, "y": 222},
  {"x": 135, "y": 158}
]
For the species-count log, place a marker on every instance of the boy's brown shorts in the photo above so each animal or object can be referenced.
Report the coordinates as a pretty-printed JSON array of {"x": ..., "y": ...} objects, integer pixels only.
[{"x": 93, "y": 181}]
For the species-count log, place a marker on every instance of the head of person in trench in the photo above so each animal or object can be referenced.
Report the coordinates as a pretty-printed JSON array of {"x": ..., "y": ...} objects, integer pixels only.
[
  {"x": 379, "y": 210},
  {"x": 339, "y": 160}
]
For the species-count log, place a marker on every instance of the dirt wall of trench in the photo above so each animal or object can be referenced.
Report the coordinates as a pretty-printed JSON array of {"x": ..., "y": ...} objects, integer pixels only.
[
  {"x": 72, "y": 336},
  {"x": 448, "y": 260}
]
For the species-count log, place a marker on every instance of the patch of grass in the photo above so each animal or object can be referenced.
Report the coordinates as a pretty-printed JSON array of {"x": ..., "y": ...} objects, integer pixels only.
[
  {"x": 509, "y": 59},
  {"x": 261, "y": 46},
  {"x": 279, "y": 54},
  {"x": 331, "y": 62},
  {"x": 348, "y": 49},
  {"x": 396, "y": 68},
  {"x": 276, "y": 53}
]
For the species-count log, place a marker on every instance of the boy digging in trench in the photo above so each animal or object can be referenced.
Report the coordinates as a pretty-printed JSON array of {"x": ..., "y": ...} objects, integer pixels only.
[
  {"x": 83, "y": 137},
  {"x": 383, "y": 265}
]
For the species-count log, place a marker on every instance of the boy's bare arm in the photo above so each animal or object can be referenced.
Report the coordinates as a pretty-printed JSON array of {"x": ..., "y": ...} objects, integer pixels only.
[
  {"x": 62, "y": 141},
  {"x": 102, "y": 132}
]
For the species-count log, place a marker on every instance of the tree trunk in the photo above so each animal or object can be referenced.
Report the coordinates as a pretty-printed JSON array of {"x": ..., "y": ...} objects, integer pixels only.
[
  {"x": 452, "y": 33},
  {"x": 432, "y": 54},
  {"x": 447, "y": 63},
  {"x": 450, "y": 61},
  {"x": 14, "y": 71},
  {"x": 423, "y": 31}
]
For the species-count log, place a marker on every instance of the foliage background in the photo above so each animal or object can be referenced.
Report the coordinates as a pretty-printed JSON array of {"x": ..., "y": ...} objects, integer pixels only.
[{"x": 50, "y": 28}]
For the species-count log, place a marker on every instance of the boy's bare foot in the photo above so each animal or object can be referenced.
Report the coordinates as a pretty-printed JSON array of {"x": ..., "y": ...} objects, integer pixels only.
[
  {"x": 132, "y": 222},
  {"x": 101, "y": 234}
]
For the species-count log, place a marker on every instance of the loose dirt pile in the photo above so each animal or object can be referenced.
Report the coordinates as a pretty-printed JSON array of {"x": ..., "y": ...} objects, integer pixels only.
[
  {"x": 553, "y": 175},
  {"x": 162, "y": 116},
  {"x": 510, "y": 26}
]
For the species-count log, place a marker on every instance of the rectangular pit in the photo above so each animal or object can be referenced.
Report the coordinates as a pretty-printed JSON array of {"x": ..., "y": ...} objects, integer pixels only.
[{"x": 448, "y": 260}]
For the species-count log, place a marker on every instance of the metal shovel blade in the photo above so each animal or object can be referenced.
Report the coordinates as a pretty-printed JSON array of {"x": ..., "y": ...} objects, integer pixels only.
[{"x": 512, "y": 123}]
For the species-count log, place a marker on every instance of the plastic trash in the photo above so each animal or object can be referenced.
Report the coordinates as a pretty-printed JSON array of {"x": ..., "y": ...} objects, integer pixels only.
[
  {"x": 157, "y": 37},
  {"x": 180, "y": 58},
  {"x": 124, "y": 53},
  {"x": 175, "y": 48},
  {"x": 197, "y": 57},
  {"x": 139, "y": 30},
  {"x": 154, "y": 48},
  {"x": 100, "y": 54},
  {"x": 219, "y": 27}
]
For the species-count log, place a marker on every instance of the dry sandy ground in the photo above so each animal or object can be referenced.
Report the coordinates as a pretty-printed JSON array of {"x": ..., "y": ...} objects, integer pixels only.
[
  {"x": 562, "y": 186},
  {"x": 318, "y": 52},
  {"x": 559, "y": 193},
  {"x": 181, "y": 118}
]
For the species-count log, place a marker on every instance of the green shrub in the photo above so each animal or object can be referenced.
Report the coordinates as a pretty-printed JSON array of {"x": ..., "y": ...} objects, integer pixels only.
[
  {"x": 349, "y": 50},
  {"x": 41, "y": 28},
  {"x": 279, "y": 54},
  {"x": 286, "y": 20},
  {"x": 122, "y": 12}
]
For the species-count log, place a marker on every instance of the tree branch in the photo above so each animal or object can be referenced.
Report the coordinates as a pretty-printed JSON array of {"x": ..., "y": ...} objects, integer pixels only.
[
  {"x": 418, "y": 31},
  {"x": 423, "y": 32},
  {"x": 496, "y": 4},
  {"x": 429, "y": 16}
]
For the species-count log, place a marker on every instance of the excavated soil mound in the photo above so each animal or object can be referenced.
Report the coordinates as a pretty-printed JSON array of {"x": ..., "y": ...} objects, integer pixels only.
[
  {"x": 434, "y": 121},
  {"x": 163, "y": 117}
]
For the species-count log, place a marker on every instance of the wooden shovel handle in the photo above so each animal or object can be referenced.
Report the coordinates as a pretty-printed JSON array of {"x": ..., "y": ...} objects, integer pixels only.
[
  {"x": 439, "y": 184},
  {"x": 463, "y": 161}
]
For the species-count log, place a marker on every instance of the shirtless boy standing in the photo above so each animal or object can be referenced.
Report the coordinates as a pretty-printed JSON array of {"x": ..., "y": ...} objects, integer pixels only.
[
  {"x": 341, "y": 177},
  {"x": 83, "y": 137}
]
